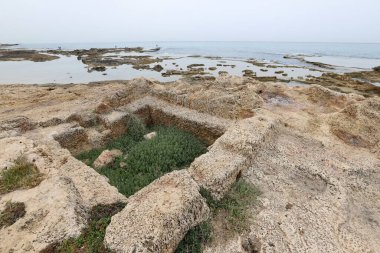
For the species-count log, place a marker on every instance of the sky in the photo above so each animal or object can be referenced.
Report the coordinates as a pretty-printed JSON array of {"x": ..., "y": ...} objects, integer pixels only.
[{"x": 53, "y": 21}]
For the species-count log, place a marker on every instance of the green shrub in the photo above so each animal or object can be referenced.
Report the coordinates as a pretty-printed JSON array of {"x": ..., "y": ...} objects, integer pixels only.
[
  {"x": 22, "y": 175},
  {"x": 195, "y": 238},
  {"x": 13, "y": 211},
  {"x": 149, "y": 159},
  {"x": 146, "y": 160},
  {"x": 136, "y": 128},
  {"x": 235, "y": 203}
]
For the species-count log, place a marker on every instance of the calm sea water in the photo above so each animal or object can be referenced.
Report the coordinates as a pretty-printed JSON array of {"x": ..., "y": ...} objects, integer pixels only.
[
  {"x": 259, "y": 50},
  {"x": 69, "y": 70}
]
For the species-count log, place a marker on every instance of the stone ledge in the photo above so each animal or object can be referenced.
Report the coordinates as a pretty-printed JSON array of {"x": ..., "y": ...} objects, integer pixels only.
[{"x": 158, "y": 217}]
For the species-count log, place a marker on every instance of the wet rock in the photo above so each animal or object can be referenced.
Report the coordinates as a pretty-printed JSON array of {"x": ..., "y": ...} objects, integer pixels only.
[
  {"x": 212, "y": 68},
  {"x": 158, "y": 68},
  {"x": 106, "y": 158},
  {"x": 195, "y": 66},
  {"x": 158, "y": 216},
  {"x": 25, "y": 55},
  {"x": 150, "y": 136},
  {"x": 248, "y": 72},
  {"x": 98, "y": 68},
  {"x": 377, "y": 69},
  {"x": 140, "y": 67}
]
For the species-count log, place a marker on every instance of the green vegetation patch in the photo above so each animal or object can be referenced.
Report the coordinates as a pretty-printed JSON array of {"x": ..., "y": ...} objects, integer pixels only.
[
  {"x": 234, "y": 206},
  {"x": 22, "y": 175},
  {"x": 91, "y": 240},
  {"x": 146, "y": 160},
  {"x": 195, "y": 238},
  {"x": 12, "y": 212}
]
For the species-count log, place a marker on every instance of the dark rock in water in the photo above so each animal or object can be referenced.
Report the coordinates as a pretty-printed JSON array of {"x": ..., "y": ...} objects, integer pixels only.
[
  {"x": 212, "y": 68},
  {"x": 248, "y": 72},
  {"x": 377, "y": 68},
  {"x": 195, "y": 65},
  {"x": 141, "y": 66},
  {"x": 158, "y": 68},
  {"x": 8, "y": 45},
  {"x": 98, "y": 68}
]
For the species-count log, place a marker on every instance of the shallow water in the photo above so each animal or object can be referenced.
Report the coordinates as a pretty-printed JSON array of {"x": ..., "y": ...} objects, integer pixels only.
[
  {"x": 349, "y": 62},
  {"x": 347, "y": 58}
]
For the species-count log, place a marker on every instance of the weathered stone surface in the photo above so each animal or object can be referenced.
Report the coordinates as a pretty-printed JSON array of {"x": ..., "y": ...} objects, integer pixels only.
[
  {"x": 106, "y": 158},
  {"x": 206, "y": 127},
  {"x": 249, "y": 135},
  {"x": 12, "y": 148},
  {"x": 232, "y": 153},
  {"x": 217, "y": 170},
  {"x": 318, "y": 193},
  {"x": 313, "y": 200},
  {"x": 54, "y": 211},
  {"x": 74, "y": 138},
  {"x": 158, "y": 216},
  {"x": 150, "y": 136},
  {"x": 84, "y": 119},
  {"x": 116, "y": 121},
  {"x": 358, "y": 124},
  {"x": 57, "y": 208}
]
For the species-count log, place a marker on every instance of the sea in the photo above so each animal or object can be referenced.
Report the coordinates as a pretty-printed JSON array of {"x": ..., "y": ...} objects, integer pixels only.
[{"x": 290, "y": 57}]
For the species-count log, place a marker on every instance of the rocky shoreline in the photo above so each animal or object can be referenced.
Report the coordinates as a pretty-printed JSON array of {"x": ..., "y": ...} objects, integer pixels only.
[
  {"x": 313, "y": 151},
  {"x": 107, "y": 60}
]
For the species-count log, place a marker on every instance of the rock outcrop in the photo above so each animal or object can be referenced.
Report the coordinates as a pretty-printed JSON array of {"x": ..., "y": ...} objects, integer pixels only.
[
  {"x": 358, "y": 124},
  {"x": 106, "y": 158},
  {"x": 158, "y": 216},
  {"x": 56, "y": 209}
]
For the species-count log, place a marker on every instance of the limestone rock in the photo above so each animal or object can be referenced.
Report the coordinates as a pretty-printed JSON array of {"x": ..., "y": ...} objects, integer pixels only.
[
  {"x": 116, "y": 121},
  {"x": 217, "y": 170},
  {"x": 358, "y": 124},
  {"x": 158, "y": 216},
  {"x": 106, "y": 158},
  {"x": 54, "y": 211},
  {"x": 74, "y": 138},
  {"x": 150, "y": 136},
  {"x": 249, "y": 135}
]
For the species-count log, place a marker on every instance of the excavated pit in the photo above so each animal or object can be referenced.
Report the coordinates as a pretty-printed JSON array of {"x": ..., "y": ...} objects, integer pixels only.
[{"x": 78, "y": 136}]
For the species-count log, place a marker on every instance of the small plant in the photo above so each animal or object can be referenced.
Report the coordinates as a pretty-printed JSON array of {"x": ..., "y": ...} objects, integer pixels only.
[
  {"x": 235, "y": 203},
  {"x": 235, "y": 207},
  {"x": 92, "y": 237},
  {"x": 13, "y": 211},
  {"x": 22, "y": 175},
  {"x": 195, "y": 238},
  {"x": 136, "y": 128},
  {"x": 147, "y": 160}
]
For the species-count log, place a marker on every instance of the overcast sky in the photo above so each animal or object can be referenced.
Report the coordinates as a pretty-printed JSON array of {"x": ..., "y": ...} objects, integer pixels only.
[{"x": 39, "y": 21}]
